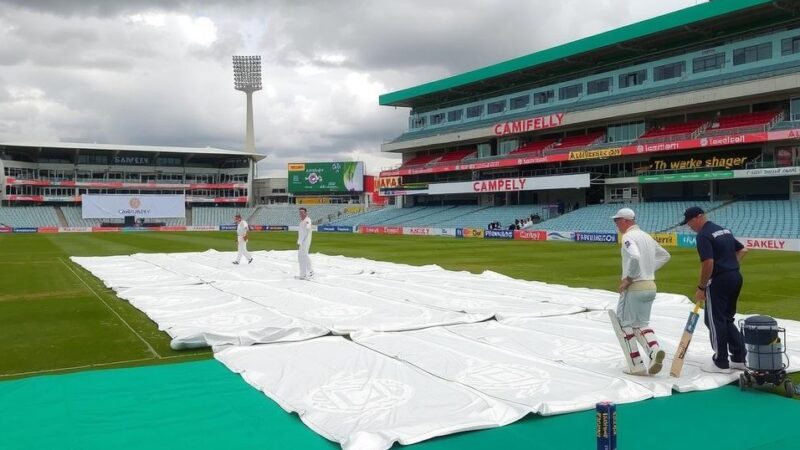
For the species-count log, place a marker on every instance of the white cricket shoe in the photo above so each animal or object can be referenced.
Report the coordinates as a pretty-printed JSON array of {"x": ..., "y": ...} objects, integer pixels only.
[{"x": 656, "y": 362}]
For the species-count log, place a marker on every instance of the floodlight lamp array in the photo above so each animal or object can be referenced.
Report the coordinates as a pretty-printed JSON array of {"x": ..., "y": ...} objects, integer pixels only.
[{"x": 247, "y": 73}]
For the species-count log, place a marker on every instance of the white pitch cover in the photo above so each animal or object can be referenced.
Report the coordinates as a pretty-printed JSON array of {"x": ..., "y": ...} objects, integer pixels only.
[
  {"x": 544, "y": 387},
  {"x": 442, "y": 292},
  {"x": 344, "y": 310},
  {"x": 587, "y": 341},
  {"x": 125, "y": 271},
  {"x": 363, "y": 399},
  {"x": 201, "y": 316},
  {"x": 552, "y": 350}
]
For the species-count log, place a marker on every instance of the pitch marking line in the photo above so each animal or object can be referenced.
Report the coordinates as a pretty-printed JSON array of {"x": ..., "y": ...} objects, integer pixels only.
[
  {"x": 149, "y": 347},
  {"x": 90, "y": 366}
]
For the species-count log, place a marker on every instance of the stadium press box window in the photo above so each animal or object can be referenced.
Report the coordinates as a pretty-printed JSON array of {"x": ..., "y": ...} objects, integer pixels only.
[{"x": 752, "y": 53}]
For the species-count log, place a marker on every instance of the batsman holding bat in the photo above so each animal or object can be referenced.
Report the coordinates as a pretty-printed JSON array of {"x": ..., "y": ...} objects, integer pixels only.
[{"x": 642, "y": 256}]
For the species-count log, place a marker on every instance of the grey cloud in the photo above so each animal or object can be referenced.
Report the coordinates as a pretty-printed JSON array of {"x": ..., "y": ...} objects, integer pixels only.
[
  {"x": 101, "y": 8},
  {"x": 97, "y": 77}
]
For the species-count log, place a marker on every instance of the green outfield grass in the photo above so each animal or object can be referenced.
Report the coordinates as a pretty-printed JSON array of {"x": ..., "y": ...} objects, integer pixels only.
[{"x": 55, "y": 317}]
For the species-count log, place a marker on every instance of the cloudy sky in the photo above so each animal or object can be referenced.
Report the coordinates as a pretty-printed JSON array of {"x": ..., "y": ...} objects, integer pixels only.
[{"x": 158, "y": 72}]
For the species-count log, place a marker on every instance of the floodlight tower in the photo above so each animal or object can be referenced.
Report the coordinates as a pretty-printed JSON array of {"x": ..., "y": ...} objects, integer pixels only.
[{"x": 247, "y": 78}]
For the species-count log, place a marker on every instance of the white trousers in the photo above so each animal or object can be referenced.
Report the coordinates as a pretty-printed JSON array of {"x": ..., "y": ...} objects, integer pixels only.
[
  {"x": 304, "y": 260},
  {"x": 242, "y": 244}
]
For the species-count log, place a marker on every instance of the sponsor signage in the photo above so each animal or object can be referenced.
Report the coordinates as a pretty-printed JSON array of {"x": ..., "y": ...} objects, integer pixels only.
[
  {"x": 119, "y": 206},
  {"x": 692, "y": 163},
  {"x": 399, "y": 192},
  {"x": 498, "y": 234},
  {"x": 227, "y": 227},
  {"x": 459, "y": 232},
  {"x": 6, "y": 229},
  {"x": 25, "y": 198},
  {"x": 771, "y": 172},
  {"x": 502, "y": 185},
  {"x": 580, "y": 180},
  {"x": 172, "y": 228},
  {"x": 389, "y": 182},
  {"x": 771, "y": 244},
  {"x": 79, "y": 229},
  {"x": 666, "y": 239},
  {"x": 276, "y": 228},
  {"x": 335, "y": 229},
  {"x": 203, "y": 228},
  {"x": 106, "y": 229},
  {"x": 451, "y": 232},
  {"x": 687, "y": 240},
  {"x": 119, "y": 184},
  {"x": 393, "y": 230},
  {"x": 312, "y": 200},
  {"x": 48, "y": 230},
  {"x": 512, "y": 161},
  {"x": 560, "y": 236},
  {"x": 530, "y": 235},
  {"x": 691, "y": 176},
  {"x": 405, "y": 189},
  {"x": 418, "y": 231},
  {"x": 326, "y": 177},
  {"x": 223, "y": 199},
  {"x": 595, "y": 154},
  {"x": 531, "y": 124},
  {"x": 380, "y": 229},
  {"x": 605, "y": 238},
  {"x": 132, "y": 161},
  {"x": 473, "y": 232},
  {"x": 25, "y": 230}
]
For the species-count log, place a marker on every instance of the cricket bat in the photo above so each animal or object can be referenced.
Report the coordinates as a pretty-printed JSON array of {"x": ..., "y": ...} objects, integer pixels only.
[{"x": 688, "y": 331}]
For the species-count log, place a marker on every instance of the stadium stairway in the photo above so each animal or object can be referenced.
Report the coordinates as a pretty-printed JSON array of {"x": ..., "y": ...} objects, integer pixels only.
[{"x": 62, "y": 220}]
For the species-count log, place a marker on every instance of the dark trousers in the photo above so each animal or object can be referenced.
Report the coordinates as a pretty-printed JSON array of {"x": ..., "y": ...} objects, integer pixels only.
[{"x": 722, "y": 294}]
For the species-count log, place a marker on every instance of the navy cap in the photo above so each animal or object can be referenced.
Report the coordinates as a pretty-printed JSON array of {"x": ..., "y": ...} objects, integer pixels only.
[{"x": 691, "y": 213}]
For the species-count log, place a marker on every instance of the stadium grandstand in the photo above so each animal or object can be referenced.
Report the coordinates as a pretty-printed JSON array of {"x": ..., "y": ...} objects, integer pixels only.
[
  {"x": 42, "y": 183},
  {"x": 699, "y": 106}
]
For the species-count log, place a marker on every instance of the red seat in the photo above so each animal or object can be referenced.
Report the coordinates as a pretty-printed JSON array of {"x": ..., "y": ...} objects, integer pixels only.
[
  {"x": 420, "y": 160},
  {"x": 579, "y": 141},
  {"x": 457, "y": 155},
  {"x": 534, "y": 147},
  {"x": 674, "y": 128},
  {"x": 746, "y": 120}
]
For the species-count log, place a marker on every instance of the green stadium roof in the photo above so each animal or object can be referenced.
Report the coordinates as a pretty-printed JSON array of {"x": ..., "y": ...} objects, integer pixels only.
[{"x": 681, "y": 27}]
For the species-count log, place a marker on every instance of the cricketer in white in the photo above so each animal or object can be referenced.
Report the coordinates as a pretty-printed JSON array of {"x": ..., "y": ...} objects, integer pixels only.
[
  {"x": 303, "y": 245},
  {"x": 241, "y": 239},
  {"x": 642, "y": 256}
]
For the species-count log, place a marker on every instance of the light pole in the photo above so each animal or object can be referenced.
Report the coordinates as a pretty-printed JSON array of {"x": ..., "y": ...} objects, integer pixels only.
[{"x": 247, "y": 78}]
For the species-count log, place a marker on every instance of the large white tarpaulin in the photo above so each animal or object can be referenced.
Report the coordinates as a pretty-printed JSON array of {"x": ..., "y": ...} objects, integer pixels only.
[
  {"x": 117, "y": 206},
  {"x": 424, "y": 360},
  {"x": 201, "y": 315},
  {"x": 361, "y": 398},
  {"x": 117, "y": 272},
  {"x": 543, "y": 386},
  {"x": 344, "y": 310}
]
